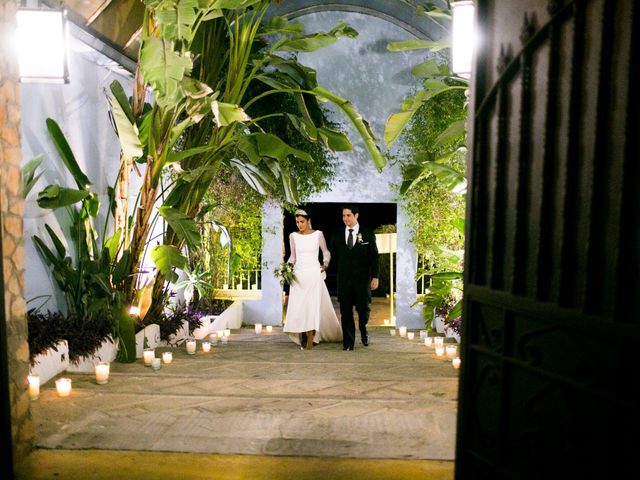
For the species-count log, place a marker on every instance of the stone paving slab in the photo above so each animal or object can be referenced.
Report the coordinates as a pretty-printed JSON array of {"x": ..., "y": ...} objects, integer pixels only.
[{"x": 262, "y": 395}]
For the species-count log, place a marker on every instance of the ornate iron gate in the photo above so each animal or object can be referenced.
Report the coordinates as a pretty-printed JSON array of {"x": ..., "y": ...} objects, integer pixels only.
[{"x": 552, "y": 280}]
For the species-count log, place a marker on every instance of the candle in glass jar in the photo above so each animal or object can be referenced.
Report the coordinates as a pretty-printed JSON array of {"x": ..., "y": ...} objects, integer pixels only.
[
  {"x": 63, "y": 386},
  {"x": 225, "y": 340},
  {"x": 167, "y": 357},
  {"x": 269, "y": 328},
  {"x": 225, "y": 286},
  {"x": 456, "y": 362},
  {"x": 219, "y": 333},
  {"x": 438, "y": 341},
  {"x": 392, "y": 332},
  {"x": 428, "y": 341},
  {"x": 191, "y": 347},
  {"x": 227, "y": 332},
  {"x": 102, "y": 373},
  {"x": 403, "y": 331},
  {"x": 423, "y": 334},
  {"x": 206, "y": 346},
  {"x": 148, "y": 355},
  {"x": 239, "y": 286},
  {"x": 452, "y": 351},
  {"x": 439, "y": 351},
  {"x": 155, "y": 364},
  {"x": 386, "y": 321},
  {"x": 410, "y": 335},
  {"x": 258, "y": 328},
  {"x": 34, "y": 386}
]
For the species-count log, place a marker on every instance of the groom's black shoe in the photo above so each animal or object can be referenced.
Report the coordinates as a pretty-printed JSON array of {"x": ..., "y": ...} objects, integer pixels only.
[
  {"x": 347, "y": 348},
  {"x": 365, "y": 340}
]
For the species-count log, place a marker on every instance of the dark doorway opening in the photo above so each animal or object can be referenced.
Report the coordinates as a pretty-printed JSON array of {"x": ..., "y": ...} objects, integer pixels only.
[{"x": 327, "y": 216}]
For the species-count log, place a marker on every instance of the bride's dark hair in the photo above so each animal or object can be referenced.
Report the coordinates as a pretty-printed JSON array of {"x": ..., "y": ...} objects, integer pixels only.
[{"x": 303, "y": 214}]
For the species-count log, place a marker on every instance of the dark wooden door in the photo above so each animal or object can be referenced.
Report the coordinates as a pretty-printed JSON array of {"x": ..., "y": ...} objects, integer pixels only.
[{"x": 551, "y": 329}]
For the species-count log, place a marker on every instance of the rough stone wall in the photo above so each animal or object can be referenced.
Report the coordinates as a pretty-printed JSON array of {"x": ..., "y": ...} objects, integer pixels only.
[{"x": 11, "y": 213}]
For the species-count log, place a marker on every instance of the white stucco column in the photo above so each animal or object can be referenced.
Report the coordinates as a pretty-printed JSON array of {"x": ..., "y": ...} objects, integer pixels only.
[{"x": 268, "y": 310}]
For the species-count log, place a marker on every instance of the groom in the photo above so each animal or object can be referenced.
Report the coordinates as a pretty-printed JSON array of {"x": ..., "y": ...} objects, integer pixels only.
[{"x": 355, "y": 251}]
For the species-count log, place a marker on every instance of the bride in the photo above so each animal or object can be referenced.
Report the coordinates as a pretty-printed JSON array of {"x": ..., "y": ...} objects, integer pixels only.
[{"x": 310, "y": 316}]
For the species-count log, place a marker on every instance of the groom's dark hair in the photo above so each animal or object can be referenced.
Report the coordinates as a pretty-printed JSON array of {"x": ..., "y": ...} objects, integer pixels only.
[{"x": 354, "y": 208}]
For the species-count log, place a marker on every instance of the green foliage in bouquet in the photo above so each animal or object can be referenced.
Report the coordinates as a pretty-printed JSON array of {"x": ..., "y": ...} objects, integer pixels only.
[{"x": 285, "y": 273}]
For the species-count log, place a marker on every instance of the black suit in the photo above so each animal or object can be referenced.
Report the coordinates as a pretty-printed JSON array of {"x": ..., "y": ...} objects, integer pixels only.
[{"x": 356, "y": 267}]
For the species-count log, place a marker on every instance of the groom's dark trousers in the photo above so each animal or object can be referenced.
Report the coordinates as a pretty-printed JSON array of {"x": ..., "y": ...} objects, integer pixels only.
[{"x": 356, "y": 267}]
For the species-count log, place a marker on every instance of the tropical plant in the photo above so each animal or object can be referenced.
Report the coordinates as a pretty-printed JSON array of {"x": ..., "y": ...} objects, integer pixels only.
[
  {"x": 432, "y": 123},
  {"x": 200, "y": 60},
  {"x": 84, "y": 335},
  {"x": 92, "y": 281}
]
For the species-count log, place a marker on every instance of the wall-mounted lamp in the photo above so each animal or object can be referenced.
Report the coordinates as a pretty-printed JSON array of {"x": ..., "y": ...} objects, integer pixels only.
[
  {"x": 464, "y": 37},
  {"x": 42, "y": 44}
]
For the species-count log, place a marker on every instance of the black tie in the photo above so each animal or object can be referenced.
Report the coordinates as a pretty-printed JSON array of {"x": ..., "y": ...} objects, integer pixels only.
[{"x": 350, "y": 239}]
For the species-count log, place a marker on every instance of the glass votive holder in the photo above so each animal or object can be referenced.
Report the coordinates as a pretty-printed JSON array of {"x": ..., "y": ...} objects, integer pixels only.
[
  {"x": 428, "y": 341},
  {"x": 269, "y": 328},
  {"x": 403, "y": 331},
  {"x": 148, "y": 355},
  {"x": 191, "y": 347},
  {"x": 225, "y": 340},
  {"x": 386, "y": 321},
  {"x": 392, "y": 332},
  {"x": 438, "y": 341},
  {"x": 102, "y": 373},
  {"x": 206, "y": 347},
  {"x": 451, "y": 350},
  {"x": 219, "y": 333},
  {"x": 63, "y": 386},
  {"x": 410, "y": 335},
  {"x": 213, "y": 339},
  {"x": 34, "y": 386},
  {"x": 258, "y": 328},
  {"x": 423, "y": 334},
  {"x": 155, "y": 364},
  {"x": 167, "y": 357},
  {"x": 439, "y": 351},
  {"x": 227, "y": 332},
  {"x": 456, "y": 362}
]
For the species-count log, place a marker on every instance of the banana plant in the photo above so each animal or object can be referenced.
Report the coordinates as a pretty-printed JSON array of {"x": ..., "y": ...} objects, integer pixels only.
[
  {"x": 91, "y": 276},
  {"x": 202, "y": 61},
  {"x": 437, "y": 159}
]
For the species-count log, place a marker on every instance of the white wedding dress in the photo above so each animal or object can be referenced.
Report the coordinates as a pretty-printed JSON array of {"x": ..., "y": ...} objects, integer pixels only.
[{"x": 309, "y": 306}]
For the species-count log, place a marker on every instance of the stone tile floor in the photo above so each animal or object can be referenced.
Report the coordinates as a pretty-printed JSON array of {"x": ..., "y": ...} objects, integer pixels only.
[{"x": 262, "y": 395}]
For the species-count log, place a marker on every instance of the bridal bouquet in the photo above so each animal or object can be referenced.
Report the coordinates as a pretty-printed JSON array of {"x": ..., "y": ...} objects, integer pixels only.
[{"x": 285, "y": 273}]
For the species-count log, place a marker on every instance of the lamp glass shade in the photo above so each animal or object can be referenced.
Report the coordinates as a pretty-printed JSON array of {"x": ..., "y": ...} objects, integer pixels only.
[
  {"x": 42, "y": 51},
  {"x": 463, "y": 38}
]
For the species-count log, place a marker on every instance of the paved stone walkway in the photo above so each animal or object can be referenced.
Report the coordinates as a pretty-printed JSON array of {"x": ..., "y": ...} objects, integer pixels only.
[{"x": 261, "y": 395}]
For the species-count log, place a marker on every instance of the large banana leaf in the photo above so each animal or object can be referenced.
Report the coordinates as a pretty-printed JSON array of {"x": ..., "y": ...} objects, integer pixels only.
[
  {"x": 29, "y": 177},
  {"x": 227, "y": 113},
  {"x": 316, "y": 41},
  {"x": 66, "y": 154},
  {"x": 166, "y": 258},
  {"x": 125, "y": 125},
  {"x": 163, "y": 68},
  {"x": 270, "y": 145},
  {"x": 417, "y": 44},
  {"x": 356, "y": 119},
  {"x": 185, "y": 227},
  {"x": 55, "y": 196}
]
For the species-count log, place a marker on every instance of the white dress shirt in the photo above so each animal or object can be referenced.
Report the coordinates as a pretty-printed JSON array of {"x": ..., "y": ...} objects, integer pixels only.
[{"x": 356, "y": 229}]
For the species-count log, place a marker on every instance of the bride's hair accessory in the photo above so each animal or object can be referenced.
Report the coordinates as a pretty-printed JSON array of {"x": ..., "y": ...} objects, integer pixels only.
[{"x": 301, "y": 212}]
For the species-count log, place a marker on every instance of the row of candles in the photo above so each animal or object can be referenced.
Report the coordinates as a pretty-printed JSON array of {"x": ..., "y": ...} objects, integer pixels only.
[
  {"x": 258, "y": 328},
  {"x": 442, "y": 350},
  {"x": 63, "y": 385}
]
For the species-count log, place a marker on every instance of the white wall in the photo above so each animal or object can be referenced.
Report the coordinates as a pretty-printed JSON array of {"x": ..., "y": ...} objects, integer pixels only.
[{"x": 81, "y": 109}]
